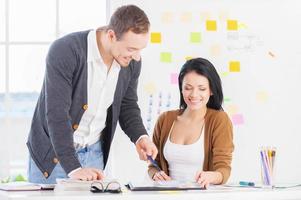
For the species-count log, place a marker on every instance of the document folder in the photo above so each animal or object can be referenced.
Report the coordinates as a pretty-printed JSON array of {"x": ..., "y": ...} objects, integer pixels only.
[{"x": 163, "y": 186}]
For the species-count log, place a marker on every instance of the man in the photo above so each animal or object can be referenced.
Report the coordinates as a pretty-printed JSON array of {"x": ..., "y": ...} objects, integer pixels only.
[{"x": 90, "y": 83}]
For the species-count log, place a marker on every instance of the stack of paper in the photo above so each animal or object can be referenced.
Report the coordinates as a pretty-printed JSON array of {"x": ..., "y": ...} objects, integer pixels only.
[{"x": 20, "y": 186}]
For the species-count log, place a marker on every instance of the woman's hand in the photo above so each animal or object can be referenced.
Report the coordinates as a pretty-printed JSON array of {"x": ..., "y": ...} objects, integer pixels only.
[
  {"x": 161, "y": 176},
  {"x": 208, "y": 177}
]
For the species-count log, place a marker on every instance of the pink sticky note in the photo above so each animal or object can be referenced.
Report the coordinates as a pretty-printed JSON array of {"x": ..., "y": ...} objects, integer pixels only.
[
  {"x": 174, "y": 78},
  {"x": 237, "y": 119}
]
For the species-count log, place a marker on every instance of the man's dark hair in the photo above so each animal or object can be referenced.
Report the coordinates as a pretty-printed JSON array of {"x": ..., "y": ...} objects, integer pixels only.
[{"x": 128, "y": 18}]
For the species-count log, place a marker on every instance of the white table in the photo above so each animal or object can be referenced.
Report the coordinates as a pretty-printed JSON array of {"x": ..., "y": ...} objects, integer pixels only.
[{"x": 233, "y": 194}]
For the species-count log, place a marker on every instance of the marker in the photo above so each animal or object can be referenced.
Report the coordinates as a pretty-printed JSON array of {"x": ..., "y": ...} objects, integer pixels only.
[{"x": 246, "y": 183}]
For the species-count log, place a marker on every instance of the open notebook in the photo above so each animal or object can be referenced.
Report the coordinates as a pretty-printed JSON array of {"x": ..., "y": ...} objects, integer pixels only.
[
  {"x": 163, "y": 185},
  {"x": 25, "y": 186}
]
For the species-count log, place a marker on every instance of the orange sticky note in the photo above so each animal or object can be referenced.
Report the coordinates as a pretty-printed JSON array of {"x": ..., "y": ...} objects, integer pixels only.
[
  {"x": 211, "y": 25},
  {"x": 215, "y": 50},
  {"x": 234, "y": 66},
  {"x": 232, "y": 25},
  {"x": 155, "y": 37},
  {"x": 167, "y": 17},
  {"x": 204, "y": 16},
  {"x": 186, "y": 17}
]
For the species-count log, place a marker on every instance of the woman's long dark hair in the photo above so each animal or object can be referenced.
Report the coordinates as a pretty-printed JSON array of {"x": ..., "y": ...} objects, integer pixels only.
[{"x": 205, "y": 68}]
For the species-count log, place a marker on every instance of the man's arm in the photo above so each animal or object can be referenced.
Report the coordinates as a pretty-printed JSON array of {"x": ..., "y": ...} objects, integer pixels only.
[
  {"x": 130, "y": 116},
  {"x": 60, "y": 64}
]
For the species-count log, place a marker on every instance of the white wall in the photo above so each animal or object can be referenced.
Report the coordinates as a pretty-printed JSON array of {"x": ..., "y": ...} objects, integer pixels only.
[{"x": 265, "y": 92}]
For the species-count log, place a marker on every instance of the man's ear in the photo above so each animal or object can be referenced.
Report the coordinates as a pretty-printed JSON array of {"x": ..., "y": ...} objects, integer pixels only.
[{"x": 111, "y": 35}]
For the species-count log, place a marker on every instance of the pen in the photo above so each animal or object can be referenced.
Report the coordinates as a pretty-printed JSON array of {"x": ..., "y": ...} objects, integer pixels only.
[
  {"x": 246, "y": 183},
  {"x": 266, "y": 175},
  {"x": 154, "y": 163}
]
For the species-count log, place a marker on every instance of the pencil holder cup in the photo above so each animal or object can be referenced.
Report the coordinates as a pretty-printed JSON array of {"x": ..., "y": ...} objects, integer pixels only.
[{"x": 267, "y": 164}]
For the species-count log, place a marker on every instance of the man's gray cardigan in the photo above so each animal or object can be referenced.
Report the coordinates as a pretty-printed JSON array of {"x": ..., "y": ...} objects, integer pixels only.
[{"x": 61, "y": 105}]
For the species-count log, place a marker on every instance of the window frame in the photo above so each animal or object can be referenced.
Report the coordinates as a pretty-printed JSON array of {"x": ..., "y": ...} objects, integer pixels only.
[{"x": 14, "y": 164}]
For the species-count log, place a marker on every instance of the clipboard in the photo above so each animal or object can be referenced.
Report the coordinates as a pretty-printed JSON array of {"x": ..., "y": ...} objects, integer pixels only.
[{"x": 163, "y": 186}]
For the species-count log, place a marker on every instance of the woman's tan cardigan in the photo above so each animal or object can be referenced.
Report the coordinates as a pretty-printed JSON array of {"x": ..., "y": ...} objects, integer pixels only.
[{"x": 218, "y": 142}]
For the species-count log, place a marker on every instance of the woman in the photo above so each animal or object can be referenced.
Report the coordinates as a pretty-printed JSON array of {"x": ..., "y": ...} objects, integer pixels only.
[{"x": 195, "y": 143}]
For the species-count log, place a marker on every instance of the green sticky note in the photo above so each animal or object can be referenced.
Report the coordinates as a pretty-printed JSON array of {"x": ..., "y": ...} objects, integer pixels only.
[
  {"x": 165, "y": 57},
  {"x": 195, "y": 37},
  {"x": 227, "y": 99},
  {"x": 224, "y": 74}
]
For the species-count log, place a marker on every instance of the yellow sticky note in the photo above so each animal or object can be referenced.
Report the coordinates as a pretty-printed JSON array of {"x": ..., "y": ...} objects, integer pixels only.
[
  {"x": 262, "y": 96},
  {"x": 165, "y": 57},
  {"x": 155, "y": 37},
  {"x": 188, "y": 57},
  {"x": 232, "y": 25},
  {"x": 231, "y": 109},
  {"x": 242, "y": 26},
  {"x": 234, "y": 66},
  {"x": 211, "y": 25},
  {"x": 186, "y": 17},
  {"x": 167, "y": 17},
  {"x": 195, "y": 37},
  {"x": 150, "y": 88}
]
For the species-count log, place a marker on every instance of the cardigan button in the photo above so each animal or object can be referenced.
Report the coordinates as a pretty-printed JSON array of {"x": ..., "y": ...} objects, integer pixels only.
[
  {"x": 85, "y": 106},
  {"x": 75, "y": 126},
  {"x": 45, "y": 174},
  {"x": 55, "y": 160}
]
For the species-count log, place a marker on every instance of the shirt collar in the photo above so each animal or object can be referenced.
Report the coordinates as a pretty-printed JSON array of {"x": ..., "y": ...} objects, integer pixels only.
[{"x": 93, "y": 51}]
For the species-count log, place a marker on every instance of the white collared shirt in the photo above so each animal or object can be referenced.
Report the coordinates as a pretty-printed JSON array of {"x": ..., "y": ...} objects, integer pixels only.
[{"x": 101, "y": 87}]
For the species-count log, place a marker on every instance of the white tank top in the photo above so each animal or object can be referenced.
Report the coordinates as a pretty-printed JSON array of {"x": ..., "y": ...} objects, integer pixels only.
[{"x": 184, "y": 160}]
